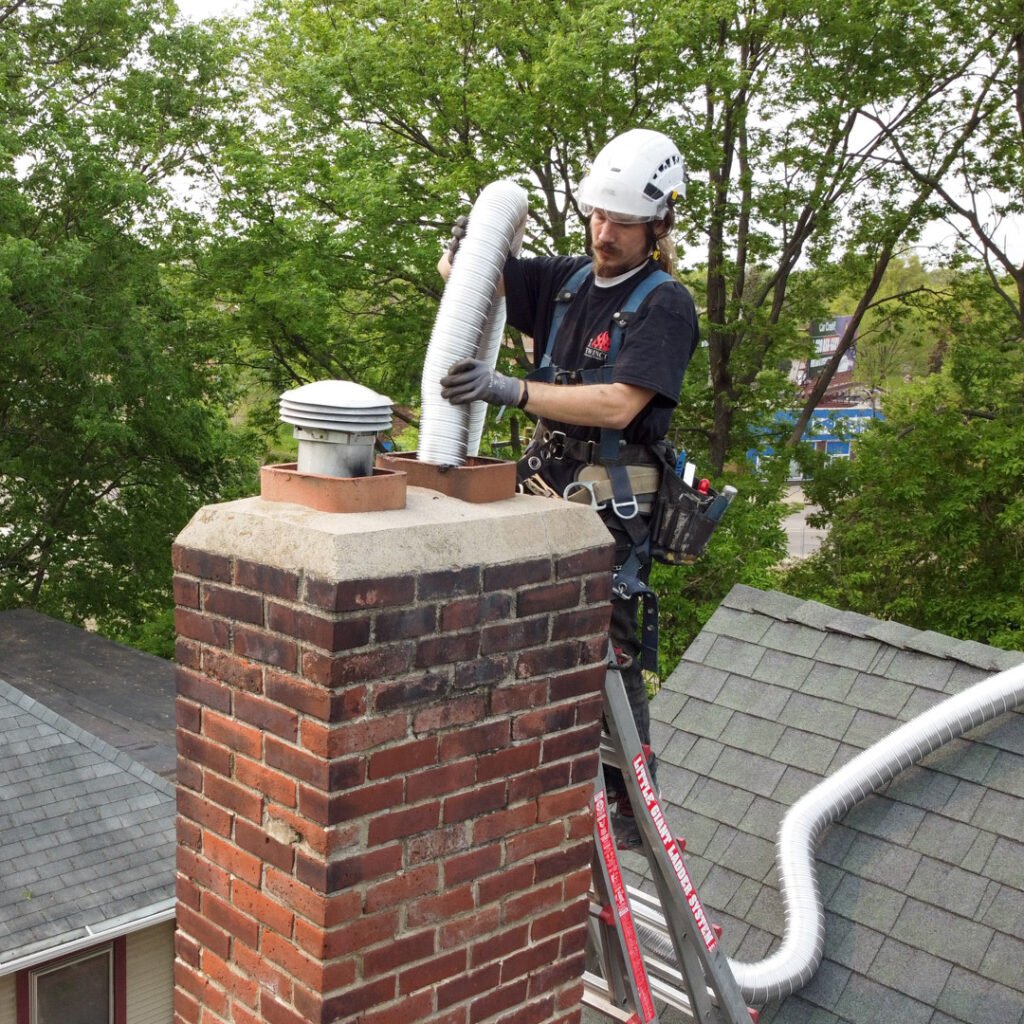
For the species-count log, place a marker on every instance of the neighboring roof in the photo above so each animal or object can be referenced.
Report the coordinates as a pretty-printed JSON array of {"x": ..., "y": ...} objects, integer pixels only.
[
  {"x": 117, "y": 693},
  {"x": 923, "y": 883},
  {"x": 86, "y": 833}
]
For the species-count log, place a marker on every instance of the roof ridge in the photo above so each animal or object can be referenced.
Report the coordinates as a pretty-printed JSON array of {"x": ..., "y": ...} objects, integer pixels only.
[{"x": 93, "y": 742}]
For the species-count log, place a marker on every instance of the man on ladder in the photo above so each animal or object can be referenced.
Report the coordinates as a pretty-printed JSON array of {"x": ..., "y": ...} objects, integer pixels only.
[{"x": 620, "y": 331}]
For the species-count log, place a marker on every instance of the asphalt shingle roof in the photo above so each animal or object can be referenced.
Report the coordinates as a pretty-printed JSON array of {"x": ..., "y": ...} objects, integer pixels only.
[
  {"x": 87, "y": 831},
  {"x": 923, "y": 882}
]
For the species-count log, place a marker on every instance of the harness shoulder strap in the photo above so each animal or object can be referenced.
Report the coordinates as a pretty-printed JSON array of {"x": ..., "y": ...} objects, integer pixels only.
[{"x": 562, "y": 301}]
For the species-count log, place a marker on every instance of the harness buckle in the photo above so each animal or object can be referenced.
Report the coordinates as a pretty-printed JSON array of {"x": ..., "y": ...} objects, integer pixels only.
[
  {"x": 583, "y": 485},
  {"x": 554, "y": 444},
  {"x": 626, "y": 509}
]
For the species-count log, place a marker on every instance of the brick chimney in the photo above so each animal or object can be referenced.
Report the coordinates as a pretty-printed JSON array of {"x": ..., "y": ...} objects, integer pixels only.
[{"x": 388, "y": 727}]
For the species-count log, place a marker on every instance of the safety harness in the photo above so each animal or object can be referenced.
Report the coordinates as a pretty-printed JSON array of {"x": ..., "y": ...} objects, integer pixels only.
[{"x": 610, "y": 451}]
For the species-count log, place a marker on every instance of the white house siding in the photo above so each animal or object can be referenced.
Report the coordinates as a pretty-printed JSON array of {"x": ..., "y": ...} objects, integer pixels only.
[
  {"x": 8, "y": 1007},
  {"x": 150, "y": 969}
]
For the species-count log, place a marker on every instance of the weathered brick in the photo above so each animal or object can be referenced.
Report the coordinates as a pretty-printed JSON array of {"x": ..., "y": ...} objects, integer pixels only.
[
  {"x": 550, "y": 597},
  {"x": 440, "y": 908},
  {"x": 514, "y": 636},
  {"x": 233, "y": 670},
  {"x": 472, "y": 865},
  {"x": 504, "y": 997},
  {"x": 203, "y": 690},
  {"x": 360, "y": 667},
  {"x": 353, "y": 595},
  {"x": 541, "y": 780},
  {"x": 549, "y": 659},
  {"x": 519, "y": 696},
  {"x": 529, "y": 843},
  {"x": 228, "y": 917},
  {"x": 363, "y": 867},
  {"x": 580, "y": 623},
  {"x": 269, "y": 850},
  {"x": 593, "y": 560},
  {"x": 474, "y": 802},
  {"x": 268, "y": 648},
  {"x": 187, "y": 653},
  {"x": 229, "y": 603},
  {"x": 296, "y": 762},
  {"x": 510, "y": 761},
  {"x": 361, "y": 997},
  {"x": 500, "y": 945},
  {"x": 403, "y": 888},
  {"x": 459, "y": 711},
  {"x": 232, "y": 733},
  {"x": 405, "y": 623},
  {"x": 330, "y": 634},
  {"x": 201, "y": 751},
  {"x": 475, "y": 740},
  {"x": 581, "y": 740},
  {"x": 206, "y": 566},
  {"x": 482, "y": 672},
  {"x": 397, "y": 824},
  {"x": 535, "y": 955},
  {"x": 405, "y": 693},
  {"x": 277, "y": 786},
  {"x": 531, "y": 904},
  {"x": 439, "y": 781},
  {"x": 467, "y": 985},
  {"x": 470, "y": 612},
  {"x": 403, "y": 758},
  {"x": 503, "y": 823},
  {"x": 559, "y": 805},
  {"x": 461, "y": 930},
  {"x": 258, "y": 904},
  {"x": 448, "y": 583},
  {"x": 544, "y": 721},
  {"x": 496, "y": 887},
  {"x": 447, "y": 650},
  {"x": 187, "y": 716},
  {"x": 202, "y": 628},
  {"x": 267, "y": 715},
  {"x": 584, "y": 683},
  {"x": 447, "y": 965},
  {"x": 405, "y": 950},
  {"x": 267, "y": 579},
  {"x": 517, "y": 574},
  {"x": 233, "y": 860},
  {"x": 233, "y": 797}
]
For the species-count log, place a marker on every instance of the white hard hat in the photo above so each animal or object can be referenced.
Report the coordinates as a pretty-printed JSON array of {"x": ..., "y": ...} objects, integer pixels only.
[{"x": 634, "y": 178}]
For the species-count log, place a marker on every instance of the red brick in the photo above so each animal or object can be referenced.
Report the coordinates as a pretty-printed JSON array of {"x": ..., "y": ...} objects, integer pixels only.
[
  {"x": 541, "y": 780},
  {"x": 503, "y": 944},
  {"x": 544, "y": 721},
  {"x": 267, "y": 579},
  {"x": 364, "y": 867},
  {"x": 475, "y": 740},
  {"x": 495, "y": 887},
  {"x": 233, "y": 797},
  {"x": 257, "y": 904},
  {"x": 460, "y": 711},
  {"x": 439, "y": 909},
  {"x": 404, "y": 758},
  {"x": 471, "y": 612},
  {"x": 433, "y": 972},
  {"x": 560, "y": 862},
  {"x": 193, "y": 562},
  {"x": 389, "y": 695},
  {"x": 450, "y": 649},
  {"x": 205, "y": 691},
  {"x": 353, "y": 595},
  {"x": 589, "y": 709},
  {"x": 576, "y": 884},
  {"x": 237, "y": 985},
  {"x": 510, "y": 761},
  {"x": 535, "y": 1013},
  {"x": 208, "y": 995},
  {"x": 187, "y": 948},
  {"x": 581, "y": 623},
  {"x": 363, "y": 933},
  {"x": 548, "y": 598},
  {"x": 297, "y": 694},
  {"x": 371, "y": 799},
  {"x": 268, "y": 976},
  {"x": 229, "y": 603},
  {"x": 359, "y": 736},
  {"x": 586, "y": 682},
  {"x": 543, "y": 661},
  {"x": 187, "y": 716},
  {"x": 472, "y": 865},
  {"x": 583, "y": 740},
  {"x": 440, "y": 843},
  {"x": 404, "y": 887},
  {"x": 205, "y": 630},
  {"x": 482, "y": 672},
  {"x": 467, "y": 985},
  {"x": 416, "y": 1007},
  {"x": 273, "y": 1011},
  {"x": 267, "y": 716},
  {"x": 592, "y": 560},
  {"x": 268, "y": 648},
  {"x": 188, "y": 833},
  {"x": 447, "y": 583},
  {"x": 187, "y": 653},
  {"x": 558, "y": 921},
  {"x": 461, "y": 930},
  {"x": 503, "y": 823},
  {"x": 358, "y": 667},
  {"x": 516, "y": 574},
  {"x": 278, "y": 787},
  {"x": 406, "y": 950},
  {"x": 233, "y": 670},
  {"x": 526, "y": 844},
  {"x": 208, "y": 934},
  {"x": 257, "y": 842},
  {"x": 364, "y": 997},
  {"x": 531, "y": 904},
  {"x": 329, "y": 634},
  {"x": 560, "y": 805},
  {"x": 520, "y": 696},
  {"x": 230, "y": 732},
  {"x": 448, "y": 778},
  {"x": 535, "y": 955},
  {"x": 503, "y": 998},
  {"x": 305, "y": 969},
  {"x": 474, "y": 802},
  {"x": 201, "y": 811},
  {"x": 232, "y": 920},
  {"x": 405, "y": 623},
  {"x": 299, "y": 897},
  {"x": 187, "y": 892},
  {"x": 514, "y": 636},
  {"x": 231, "y": 859},
  {"x": 397, "y": 824},
  {"x": 203, "y": 872},
  {"x": 296, "y": 762},
  {"x": 562, "y": 971}
]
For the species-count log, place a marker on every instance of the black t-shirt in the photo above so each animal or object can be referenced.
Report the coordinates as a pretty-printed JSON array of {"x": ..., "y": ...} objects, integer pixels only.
[{"x": 656, "y": 347}]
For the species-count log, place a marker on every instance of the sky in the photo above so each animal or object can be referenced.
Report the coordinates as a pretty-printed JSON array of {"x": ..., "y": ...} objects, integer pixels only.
[{"x": 196, "y": 10}]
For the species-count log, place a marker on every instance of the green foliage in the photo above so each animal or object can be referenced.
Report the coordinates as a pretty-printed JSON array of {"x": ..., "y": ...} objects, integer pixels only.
[
  {"x": 114, "y": 423},
  {"x": 927, "y": 522}
]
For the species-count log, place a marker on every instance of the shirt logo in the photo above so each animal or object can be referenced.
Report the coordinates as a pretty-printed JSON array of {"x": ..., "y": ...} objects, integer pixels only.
[{"x": 597, "y": 348}]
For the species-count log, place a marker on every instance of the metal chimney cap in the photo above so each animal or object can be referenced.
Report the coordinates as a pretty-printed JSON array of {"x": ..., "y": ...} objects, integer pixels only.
[{"x": 336, "y": 394}]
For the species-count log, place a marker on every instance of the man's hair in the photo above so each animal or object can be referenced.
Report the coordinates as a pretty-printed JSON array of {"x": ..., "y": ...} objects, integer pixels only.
[{"x": 662, "y": 243}]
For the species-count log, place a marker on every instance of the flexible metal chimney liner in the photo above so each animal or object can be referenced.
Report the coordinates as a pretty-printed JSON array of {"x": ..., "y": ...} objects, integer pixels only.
[
  {"x": 470, "y": 321},
  {"x": 794, "y": 963}
]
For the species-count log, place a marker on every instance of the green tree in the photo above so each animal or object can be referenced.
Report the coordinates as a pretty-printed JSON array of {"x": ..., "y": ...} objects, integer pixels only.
[
  {"x": 113, "y": 408},
  {"x": 927, "y": 521}
]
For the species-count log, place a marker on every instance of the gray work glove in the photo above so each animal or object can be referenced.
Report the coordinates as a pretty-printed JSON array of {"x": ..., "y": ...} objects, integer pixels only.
[
  {"x": 458, "y": 234},
  {"x": 471, "y": 380}
]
